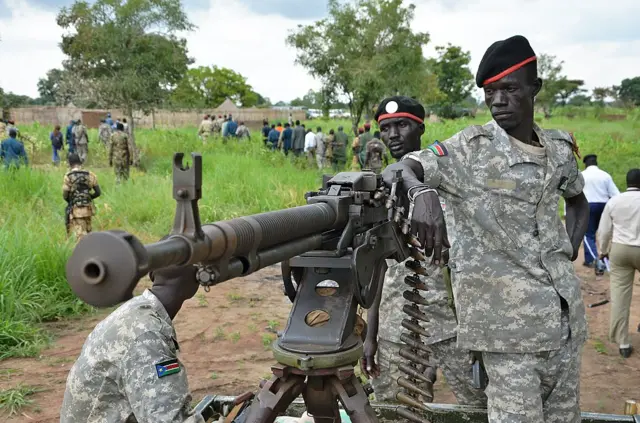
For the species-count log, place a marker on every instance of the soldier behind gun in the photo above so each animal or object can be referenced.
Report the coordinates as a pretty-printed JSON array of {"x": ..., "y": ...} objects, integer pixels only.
[
  {"x": 401, "y": 122},
  {"x": 77, "y": 191},
  {"x": 120, "y": 153}
]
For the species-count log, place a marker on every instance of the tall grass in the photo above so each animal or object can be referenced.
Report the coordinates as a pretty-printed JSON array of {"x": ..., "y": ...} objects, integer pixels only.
[{"x": 239, "y": 178}]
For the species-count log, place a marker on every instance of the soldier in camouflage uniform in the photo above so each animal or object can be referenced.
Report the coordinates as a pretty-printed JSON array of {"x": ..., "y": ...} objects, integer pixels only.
[
  {"x": 403, "y": 133},
  {"x": 517, "y": 297},
  {"x": 128, "y": 369},
  {"x": 339, "y": 150},
  {"x": 376, "y": 154},
  {"x": 206, "y": 129},
  {"x": 81, "y": 140},
  {"x": 120, "y": 153},
  {"x": 104, "y": 133},
  {"x": 79, "y": 189}
]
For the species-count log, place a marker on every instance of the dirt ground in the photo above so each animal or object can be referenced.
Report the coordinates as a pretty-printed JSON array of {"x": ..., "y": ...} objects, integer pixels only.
[{"x": 224, "y": 337}]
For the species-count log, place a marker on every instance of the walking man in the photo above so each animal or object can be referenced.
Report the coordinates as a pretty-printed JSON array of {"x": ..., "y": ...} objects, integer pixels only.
[
  {"x": 206, "y": 129},
  {"x": 81, "y": 139},
  {"x": 619, "y": 241},
  {"x": 320, "y": 148},
  {"x": 339, "y": 150},
  {"x": 69, "y": 135},
  {"x": 297, "y": 140},
  {"x": 79, "y": 189},
  {"x": 104, "y": 133},
  {"x": 120, "y": 153},
  {"x": 57, "y": 144},
  {"x": 12, "y": 151},
  {"x": 598, "y": 188},
  {"x": 518, "y": 300}
]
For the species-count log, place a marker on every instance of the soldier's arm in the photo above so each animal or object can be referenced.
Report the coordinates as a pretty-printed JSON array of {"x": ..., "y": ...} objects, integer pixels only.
[
  {"x": 368, "y": 363},
  {"x": 94, "y": 184},
  {"x": 66, "y": 188},
  {"x": 155, "y": 395},
  {"x": 111, "y": 151},
  {"x": 577, "y": 218}
]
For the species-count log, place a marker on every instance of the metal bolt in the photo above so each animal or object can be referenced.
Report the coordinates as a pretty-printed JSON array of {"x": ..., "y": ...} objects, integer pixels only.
[{"x": 182, "y": 193}]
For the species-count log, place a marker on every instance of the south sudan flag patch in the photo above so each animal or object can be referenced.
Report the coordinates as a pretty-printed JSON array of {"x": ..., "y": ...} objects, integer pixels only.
[
  {"x": 167, "y": 368},
  {"x": 438, "y": 149}
]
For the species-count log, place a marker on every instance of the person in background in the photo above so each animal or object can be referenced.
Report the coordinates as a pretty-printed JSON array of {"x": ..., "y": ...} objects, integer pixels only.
[
  {"x": 286, "y": 138},
  {"x": 81, "y": 139},
  {"x": 205, "y": 129},
  {"x": 79, "y": 189},
  {"x": 356, "y": 148},
  {"x": 57, "y": 144},
  {"x": 619, "y": 242},
  {"x": 104, "y": 133},
  {"x": 70, "y": 141},
  {"x": 297, "y": 142},
  {"x": 376, "y": 154},
  {"x": 273, "y": 138},
  {"x": 365, "y": 137},
  {"x": 243, "y": 132},
  {"x": 12, "y": 151},
  {"x": 291, "y": 120},
  {"x": 279, "y": 127},
  {"x": 216, "y": 125},
  {"x": 120, "y": 154},
  {"x": 109, "y": 121},
  {"x": 598, "y": 188},
  {"x": 127, "y": 128},
  {"x": 265, "y": 132},
  {"x": 224, "y": 129},
  {"x": 320, "y": 148},
  {"x": 328, "y": 151},
  {"x": 310, "y": 146},
  {"x": 232, "y": 127},
  {"x": 339, "y": 150},
  {"x": 11, "y": 124}
]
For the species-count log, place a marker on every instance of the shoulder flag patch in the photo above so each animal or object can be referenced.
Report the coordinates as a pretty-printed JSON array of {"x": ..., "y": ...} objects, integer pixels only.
[
  {"x": 167, "y": 367},
  {"x": 438, "y": 149}
]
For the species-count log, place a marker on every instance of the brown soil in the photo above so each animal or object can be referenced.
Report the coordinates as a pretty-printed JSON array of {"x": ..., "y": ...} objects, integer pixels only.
[{"x": 223, "y": 334}]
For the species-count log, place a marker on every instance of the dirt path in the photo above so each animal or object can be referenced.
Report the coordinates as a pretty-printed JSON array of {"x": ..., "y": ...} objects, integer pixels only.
[{"x": 224, "y": 337}]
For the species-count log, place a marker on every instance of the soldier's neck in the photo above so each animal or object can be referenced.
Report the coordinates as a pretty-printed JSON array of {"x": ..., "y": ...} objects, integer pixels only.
[{"x": 524, "y": 133}]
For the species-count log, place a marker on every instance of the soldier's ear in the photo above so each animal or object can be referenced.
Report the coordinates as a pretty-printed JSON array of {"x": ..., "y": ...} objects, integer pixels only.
[{"x": 421, "y": 128}]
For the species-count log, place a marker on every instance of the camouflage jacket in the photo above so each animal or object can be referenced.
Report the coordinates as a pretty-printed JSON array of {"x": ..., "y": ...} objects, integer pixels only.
[
  {"x": 442, "y": 321},
  {"x": 339, "y": 146},
  {"x": 104, "y": 133},
  {"x": 206, "y": 128},
  {"x": 128, "y": 368},
  {"x": 511, "y": 261},
  {"x": 78, "y": 183},
  {"x": 80, "y": 134},
  {"x": 120, "y": 150}
]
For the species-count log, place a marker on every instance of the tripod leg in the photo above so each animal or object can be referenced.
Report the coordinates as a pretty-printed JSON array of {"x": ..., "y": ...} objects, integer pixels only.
[
  {"x": 274, "y": 398},
  {"x": 354, "y": 400},
  {"x": 320, "y": 400}
]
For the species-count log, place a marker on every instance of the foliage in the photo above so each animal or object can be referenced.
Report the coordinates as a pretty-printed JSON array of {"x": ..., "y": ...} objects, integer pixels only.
[
  {"x": 629, "y": 91},
  {"x": 363, "y": 50},
  {"x": 208, "y": 87},
  {"x": 599, "y": 94},
  {"x": 557, "y": 89},
  {"x": 455, "y": 80},
  {"x": 580, "y": 100},
  {"x": 9, "y": 100},
  {"x": 128, "y": 51}
]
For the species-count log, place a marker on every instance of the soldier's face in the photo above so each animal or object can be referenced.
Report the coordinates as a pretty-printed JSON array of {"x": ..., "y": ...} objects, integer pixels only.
[
  {"x": 511, "y": 99},
  {"x": 401, "y": 135}
]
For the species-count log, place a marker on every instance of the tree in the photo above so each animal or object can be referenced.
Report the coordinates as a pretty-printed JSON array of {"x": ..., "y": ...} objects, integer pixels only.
[
  {"x": 599, "y": 94},
  {"x": 567, "y": 88},
  {"x": 127, "y": 50},
  {"x": 629, "y": 91},
  {"x": 454, "y": 78},
  {"x": 207, "y": 87},
  {"x": 549, "y": 71},
  {"x": 363, "y": 50},
  {"x": 580, "y": 100}
]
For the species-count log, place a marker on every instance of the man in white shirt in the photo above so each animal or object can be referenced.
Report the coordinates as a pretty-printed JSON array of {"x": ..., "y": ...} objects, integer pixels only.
[
  {"x": 310, "y": 146},
  {"x": 598, "y": 188},
  {"x": 619, "y": 238}
]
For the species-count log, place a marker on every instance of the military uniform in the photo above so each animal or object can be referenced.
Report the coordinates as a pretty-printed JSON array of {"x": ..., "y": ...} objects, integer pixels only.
[
  {"x": 339, "y": 151},
  {"x": 376, "y": 152},
  {"x": 128, "y": 370},
  {"x": 517, "y": 297},
  {"x": 81, "y": 140},
  {"x": 205, "y": 130},
  {"x": 355, "y": 149},
  {"x": 120, "y": 155},
  {"x": 104, "y": 133},
  {"x": 78, "y": 183},
  {"x": 454, "y": 362}
]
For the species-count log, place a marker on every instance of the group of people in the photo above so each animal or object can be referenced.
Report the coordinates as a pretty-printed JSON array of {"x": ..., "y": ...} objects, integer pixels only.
[
  {"x": 222, "y": 126},
  {"x": 483, "y": 206}
]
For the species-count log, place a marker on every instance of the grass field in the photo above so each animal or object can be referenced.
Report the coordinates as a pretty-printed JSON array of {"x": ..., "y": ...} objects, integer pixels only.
[{"x": 238, "y": 179}]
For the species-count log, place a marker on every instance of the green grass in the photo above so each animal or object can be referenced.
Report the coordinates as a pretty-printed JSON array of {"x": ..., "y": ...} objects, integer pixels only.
[
  {"x": 15, "y": 399},
  {"x": 238, "y": 179}
]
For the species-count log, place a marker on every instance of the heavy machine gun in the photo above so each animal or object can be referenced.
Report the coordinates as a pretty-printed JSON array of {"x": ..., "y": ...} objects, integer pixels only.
[{"x": 334, "y": 247}]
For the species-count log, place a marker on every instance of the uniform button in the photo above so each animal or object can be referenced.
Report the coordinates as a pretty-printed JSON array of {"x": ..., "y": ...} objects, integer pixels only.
[{"x": 536, "y": 233}]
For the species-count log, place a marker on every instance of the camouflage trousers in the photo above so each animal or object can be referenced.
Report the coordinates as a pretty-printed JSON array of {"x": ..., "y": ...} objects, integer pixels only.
[
  {"x": 453, "y": 362},
  {"x": 79, "y": 226},
  {"x": 82, "y": 150},
  {"x": 537, "y": 387},
  {"x": 122, "y": 171}
]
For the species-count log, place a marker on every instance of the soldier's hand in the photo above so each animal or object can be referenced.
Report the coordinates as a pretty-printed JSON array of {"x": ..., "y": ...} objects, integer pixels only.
[
  {"x": 427, "y": 224},
  {"x": 368, "y": 364}
]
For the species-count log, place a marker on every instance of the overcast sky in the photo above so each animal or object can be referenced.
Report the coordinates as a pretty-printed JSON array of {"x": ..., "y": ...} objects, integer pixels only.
[{"x": 599, "y": 41}]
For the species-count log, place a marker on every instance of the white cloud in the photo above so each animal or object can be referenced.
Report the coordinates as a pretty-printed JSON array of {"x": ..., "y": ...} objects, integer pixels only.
[{"x": 598, "y": 41}]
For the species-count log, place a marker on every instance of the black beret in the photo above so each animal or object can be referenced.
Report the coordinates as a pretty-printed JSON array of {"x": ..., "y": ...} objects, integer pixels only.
[
  {"x": 400, "y": 106},
  {"x": 502, "y": 58}
]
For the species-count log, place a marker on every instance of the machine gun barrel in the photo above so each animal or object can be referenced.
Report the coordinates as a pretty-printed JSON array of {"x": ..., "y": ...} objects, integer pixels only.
[{"x": 105, "y": 266}]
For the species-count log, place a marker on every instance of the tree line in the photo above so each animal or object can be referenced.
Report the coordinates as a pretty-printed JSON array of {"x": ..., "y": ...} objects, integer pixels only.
[{"x": 128, "y": 55}]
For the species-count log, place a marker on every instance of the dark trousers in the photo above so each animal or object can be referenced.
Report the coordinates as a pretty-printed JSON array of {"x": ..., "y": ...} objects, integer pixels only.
[{"x": 590, "y": 249}]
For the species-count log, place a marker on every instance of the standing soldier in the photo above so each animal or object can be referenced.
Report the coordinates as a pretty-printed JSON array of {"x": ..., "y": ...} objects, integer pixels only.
[
  {"x": 356, "y": 147},
  {"x": 320, "y": 148},
  {"x": 81, "y": 139},
  {"x": 216, "y": 125},
  {"x": 120, "y": 153},
  {"x": 376, "y": 154},
  {"x": 339, "y": 150},
  {"x": 69, "y": 136},
  {"x": 77, "y": 191},
  {"x": 205, "y": 129},
  {"x": 104, "y": 133}
]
